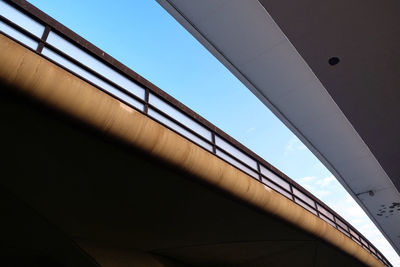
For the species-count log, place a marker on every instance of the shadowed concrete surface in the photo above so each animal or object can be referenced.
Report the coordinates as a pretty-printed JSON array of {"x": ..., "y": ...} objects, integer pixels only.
[{"x": 70, "y": 190}]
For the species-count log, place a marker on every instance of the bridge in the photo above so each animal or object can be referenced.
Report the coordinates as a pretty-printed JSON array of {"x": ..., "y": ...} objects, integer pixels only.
[{"x": 104, "y": 168}]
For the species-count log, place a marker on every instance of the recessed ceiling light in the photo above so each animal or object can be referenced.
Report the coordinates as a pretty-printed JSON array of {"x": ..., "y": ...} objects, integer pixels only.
[{"x": 333, "y": 61}]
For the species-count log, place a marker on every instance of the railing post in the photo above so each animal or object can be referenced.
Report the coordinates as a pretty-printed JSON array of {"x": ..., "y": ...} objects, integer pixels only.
[
  {"x": 259, "y": 170},
  {"x": 43, "y": 39},
  {"x": 214, "y": 145},
  {"x": 146, "y": 100},
  {"x": 336, "y": 224},
  {"x": 316, "y": 208},
  {"x": 291, "y": 191}
]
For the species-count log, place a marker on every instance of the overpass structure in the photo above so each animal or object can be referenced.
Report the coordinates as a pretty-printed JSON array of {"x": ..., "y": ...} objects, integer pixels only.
[
  {"x": 330, "y": 71},
  {"x": 103, "y": 168}
]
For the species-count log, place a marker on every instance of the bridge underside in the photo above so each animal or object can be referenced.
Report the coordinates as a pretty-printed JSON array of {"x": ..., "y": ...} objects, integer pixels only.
[
  {"x": 108, "y": 185},
  {"x": 68, "y": 190}
]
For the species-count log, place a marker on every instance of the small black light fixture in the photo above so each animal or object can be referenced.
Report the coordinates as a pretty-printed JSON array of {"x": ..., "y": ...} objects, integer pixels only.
[{"x": 333, "y": 61}]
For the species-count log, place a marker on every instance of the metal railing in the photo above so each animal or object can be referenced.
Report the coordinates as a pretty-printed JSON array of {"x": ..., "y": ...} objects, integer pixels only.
[{"x": 35, "y": 30}]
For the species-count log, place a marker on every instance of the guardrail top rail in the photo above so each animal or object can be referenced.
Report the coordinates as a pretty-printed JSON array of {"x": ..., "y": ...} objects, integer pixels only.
[{"x": 40, "y": 33}]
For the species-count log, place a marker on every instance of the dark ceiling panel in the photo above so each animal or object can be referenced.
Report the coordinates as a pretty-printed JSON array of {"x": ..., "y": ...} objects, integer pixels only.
[{"x": 365, "y": 36}]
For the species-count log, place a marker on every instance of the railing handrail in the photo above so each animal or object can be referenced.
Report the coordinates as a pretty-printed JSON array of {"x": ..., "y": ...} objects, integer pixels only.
[
  {"x": 54, "y": 26},
  {"x": 123, "y": 69}
]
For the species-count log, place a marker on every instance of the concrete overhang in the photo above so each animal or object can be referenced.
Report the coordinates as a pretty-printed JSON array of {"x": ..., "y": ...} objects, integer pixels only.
[{"x": 347, "y": 115}]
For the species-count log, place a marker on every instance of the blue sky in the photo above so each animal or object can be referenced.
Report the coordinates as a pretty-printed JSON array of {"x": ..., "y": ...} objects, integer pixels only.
[{"x": 143, "y": 36}]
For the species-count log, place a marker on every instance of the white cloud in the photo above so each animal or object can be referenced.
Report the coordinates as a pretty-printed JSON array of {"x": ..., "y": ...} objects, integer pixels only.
[
  {"x": 325, "y": 181},
  {"x": 294, "y": 144},
  {"x": 312, "y": 180},
  {"x": 316, "y": 186},
  {"x": 250, "y": 130},
  {"x": 307, "y": 179},
  {"x": 348, "y": 198},
  {"x": 322, "y": 193},
  {"x": 309, "y": 188},
  {"x": 355, "y": 211}
]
